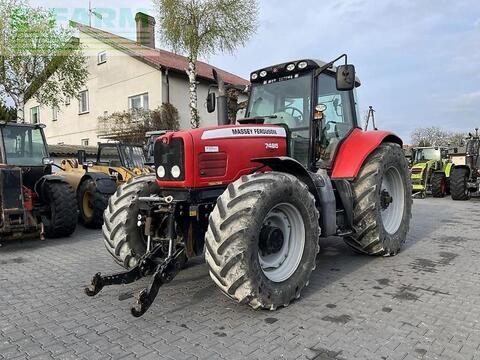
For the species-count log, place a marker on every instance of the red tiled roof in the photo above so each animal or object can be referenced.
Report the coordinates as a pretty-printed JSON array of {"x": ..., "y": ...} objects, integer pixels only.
[{"x": 157, "y": 58}]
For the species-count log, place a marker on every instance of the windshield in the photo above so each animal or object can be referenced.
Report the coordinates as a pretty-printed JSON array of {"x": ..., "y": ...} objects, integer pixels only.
[
  {"x": 427, "y": 154},
  {"x": 286, "y": 101},
  {"x": 24, "y": 146},
  {"x": 134, "y": 156}
]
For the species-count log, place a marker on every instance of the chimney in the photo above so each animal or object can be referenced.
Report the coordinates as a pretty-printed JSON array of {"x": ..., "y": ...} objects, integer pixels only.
[{"x": 145, "y": 29}]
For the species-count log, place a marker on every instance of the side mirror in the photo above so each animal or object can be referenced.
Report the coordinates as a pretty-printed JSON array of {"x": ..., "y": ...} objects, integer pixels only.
[
  {"x": 345, "y": 77},
  {"x": 81, "y": 156},
  {"x": 211, "y": 102},
  {"x": 47, "y": 161}
]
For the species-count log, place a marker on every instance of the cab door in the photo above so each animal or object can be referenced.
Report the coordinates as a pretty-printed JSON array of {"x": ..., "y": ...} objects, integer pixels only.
[{"x": 339, "y": 118}]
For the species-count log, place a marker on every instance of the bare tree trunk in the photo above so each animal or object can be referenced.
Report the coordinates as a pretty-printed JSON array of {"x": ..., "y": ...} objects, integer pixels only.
[
  {"x": 192, "y": 78},
  {"x": 20, "y": 106}
]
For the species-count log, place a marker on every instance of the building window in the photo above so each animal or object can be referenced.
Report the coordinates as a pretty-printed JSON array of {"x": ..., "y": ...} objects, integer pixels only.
[
  {"x": 83, "y": 102},
  {"x": 84, "y": 142},
  {"x": 102, "y": 57},
  {"x": 35, "y": 115},
  {"x": 138, "y": 102},
  {"x": 55, "y": 110},
  {"x": 67, "y": 100}
]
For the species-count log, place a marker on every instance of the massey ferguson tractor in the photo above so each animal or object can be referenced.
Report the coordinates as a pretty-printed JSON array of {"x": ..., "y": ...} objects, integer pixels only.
[
  {"x": 255, "y": 198},
  {"x": 465, "y": 179},
  {"x": 33, "y": 201}
]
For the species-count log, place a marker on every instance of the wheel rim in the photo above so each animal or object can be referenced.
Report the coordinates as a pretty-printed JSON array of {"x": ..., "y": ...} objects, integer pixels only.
[
  {"x": 86, "y": 204},
  {"x": 280, "y": 254},
  {"x": 392, "y": 200}
]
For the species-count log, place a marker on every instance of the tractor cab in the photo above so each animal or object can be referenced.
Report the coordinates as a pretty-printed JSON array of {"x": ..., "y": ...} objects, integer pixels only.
[
  {"x": 24, "y": 146},
  {"x": 120, "y": 155},
  {"x": 33, "y": 202},
  {"x": 309, "y": 99}
]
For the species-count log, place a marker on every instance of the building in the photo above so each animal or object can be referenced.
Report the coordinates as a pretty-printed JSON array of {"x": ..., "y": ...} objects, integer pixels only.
[{"x": 125, "y": 75}]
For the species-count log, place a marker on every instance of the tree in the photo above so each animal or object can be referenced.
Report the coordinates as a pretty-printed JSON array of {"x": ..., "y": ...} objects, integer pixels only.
[
  {"x": 7, "y": 113},
  {"x": 37, "y": 58},
  {"x": 436, "y": 136},
  {"x": 205, "y": 27},
  {"x": 130, "y": 127}
]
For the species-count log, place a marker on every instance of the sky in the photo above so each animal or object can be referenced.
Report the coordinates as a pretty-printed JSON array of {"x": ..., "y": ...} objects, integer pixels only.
[{"x": 418, "y": 60}]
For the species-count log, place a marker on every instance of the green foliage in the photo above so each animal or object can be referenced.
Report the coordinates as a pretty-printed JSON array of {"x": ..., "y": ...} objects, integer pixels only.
[
  {"x": 130, "y": 127},
  {"x": 205, "y": 27},
  {"x": 7, "y": 113},
  {"x": 38, "y": 58},
  {"x": 202, "y": 28}
]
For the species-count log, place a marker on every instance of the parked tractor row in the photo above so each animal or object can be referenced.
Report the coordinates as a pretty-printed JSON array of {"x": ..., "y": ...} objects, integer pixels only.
[
  {"x": 41, "y": 199},
  {"x": 439, "y": 172}
]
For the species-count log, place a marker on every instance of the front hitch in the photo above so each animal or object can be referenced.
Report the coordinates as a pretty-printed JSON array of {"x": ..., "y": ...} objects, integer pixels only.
[{"x": 163, "y": 273}]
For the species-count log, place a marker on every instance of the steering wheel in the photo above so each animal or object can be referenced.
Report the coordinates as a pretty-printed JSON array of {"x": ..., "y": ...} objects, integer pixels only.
[{"x": 297, "y": 118}]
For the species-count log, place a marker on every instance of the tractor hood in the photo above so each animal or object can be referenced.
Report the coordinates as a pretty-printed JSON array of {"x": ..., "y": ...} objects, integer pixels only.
[{"x": 215, "y": 156}]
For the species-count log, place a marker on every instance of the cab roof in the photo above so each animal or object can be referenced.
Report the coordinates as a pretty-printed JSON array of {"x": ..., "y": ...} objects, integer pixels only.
[
  {"x": 281, "y": 69},
  {"x": 15, "y": 124}
]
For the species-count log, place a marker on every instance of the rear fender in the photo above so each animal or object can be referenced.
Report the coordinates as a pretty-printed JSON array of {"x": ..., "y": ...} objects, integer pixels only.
[
  {"x": 104, "y": 183},
  {"x": 462, "y": 167},
  {"x": 355, "y": 149},
  {"x": 318, "y": 184},
  {"x": 40, "y": 184}
]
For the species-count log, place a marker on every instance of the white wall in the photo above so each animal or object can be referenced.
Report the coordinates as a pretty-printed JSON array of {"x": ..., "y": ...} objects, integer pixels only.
[
  {"x": 179, "y": 97},
  {"x": 110, "y": 85}
]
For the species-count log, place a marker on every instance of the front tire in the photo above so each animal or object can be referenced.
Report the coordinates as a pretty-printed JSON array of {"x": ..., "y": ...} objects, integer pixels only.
[
  {"x": 62, "y": 217},
  {"x": 122, "y": 237},
  {"x": 92, "y": 203},
  {"x": 439, "y": 185},
  {"x": 458, "y": 184},
  {"x": 262, "y": 239},
  {"x": 382, "y": 203}
]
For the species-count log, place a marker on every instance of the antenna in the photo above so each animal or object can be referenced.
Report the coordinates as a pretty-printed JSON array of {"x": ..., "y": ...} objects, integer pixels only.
[{"x": 93, "y": 12}]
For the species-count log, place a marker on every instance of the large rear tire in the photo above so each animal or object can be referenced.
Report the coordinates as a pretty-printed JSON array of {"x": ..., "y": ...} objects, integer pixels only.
[
  {"x": 458, "y": 184},
  {"x": 439, "y": 185},
  {"x": 92, "y": 203},
  {"x": 62, "y": 217},
  {"x": 122, "y": 237},
  {"x": 262, "y": 239},
  {"x": 382, "y": 203}
]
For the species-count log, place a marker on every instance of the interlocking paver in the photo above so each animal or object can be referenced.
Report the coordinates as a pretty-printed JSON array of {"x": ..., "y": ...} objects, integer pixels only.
[{"x": 421, "y": 304}]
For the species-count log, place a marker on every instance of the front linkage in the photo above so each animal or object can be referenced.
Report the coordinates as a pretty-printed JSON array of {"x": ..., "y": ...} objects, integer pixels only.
[{"x": 163, "y": 271}]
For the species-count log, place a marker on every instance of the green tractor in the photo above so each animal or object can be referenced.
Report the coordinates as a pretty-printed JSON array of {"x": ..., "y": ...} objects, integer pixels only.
[{"x": 430, "y": 172}]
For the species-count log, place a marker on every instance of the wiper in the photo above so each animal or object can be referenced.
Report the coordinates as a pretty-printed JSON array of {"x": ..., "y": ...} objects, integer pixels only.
[{"x": 256, "y": 119}]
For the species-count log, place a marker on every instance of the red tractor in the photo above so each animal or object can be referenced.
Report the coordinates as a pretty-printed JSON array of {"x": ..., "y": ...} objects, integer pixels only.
[{"x": 255, "y": 198}]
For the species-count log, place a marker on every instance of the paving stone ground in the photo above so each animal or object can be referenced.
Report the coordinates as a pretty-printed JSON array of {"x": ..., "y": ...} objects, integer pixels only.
[{"x": 423, "y": 303}]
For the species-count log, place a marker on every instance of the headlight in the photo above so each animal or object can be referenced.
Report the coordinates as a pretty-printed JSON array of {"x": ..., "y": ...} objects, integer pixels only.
[
  {"x": 263, "y": 73},
  {"x": 254, "y": 76},
  {"x": 161, "y": 171},
  {"x": 290, "y": 67},
  {"x": 175, "y": 171},
  {"x": 302, "y": 65}
]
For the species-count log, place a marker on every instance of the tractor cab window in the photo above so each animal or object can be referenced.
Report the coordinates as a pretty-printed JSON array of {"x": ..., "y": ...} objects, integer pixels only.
[
  {"x": 109, "y": 155},
  {"x": 427, "y": 154},
  {"x": 134, "y": 156},
  {"x": 286, "y": 102},
  {"x": 338, "y": 118},
  {"x": 24, "y": 146}
]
